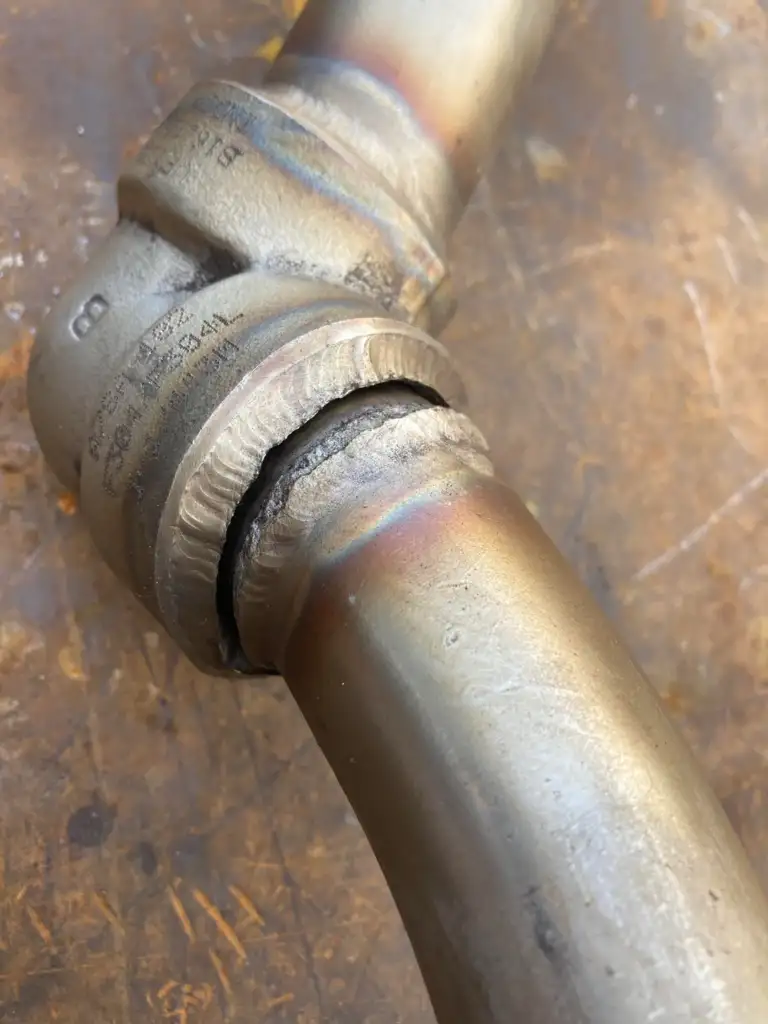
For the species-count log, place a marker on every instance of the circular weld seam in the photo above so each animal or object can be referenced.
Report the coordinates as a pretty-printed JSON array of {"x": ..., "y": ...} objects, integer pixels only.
[
  {"x": 432, "y": 444},
  {"x": 277, "y": 398}
]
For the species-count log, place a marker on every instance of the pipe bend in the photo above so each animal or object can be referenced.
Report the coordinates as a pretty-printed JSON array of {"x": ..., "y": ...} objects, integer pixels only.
[{"x": 552, "y": 847}]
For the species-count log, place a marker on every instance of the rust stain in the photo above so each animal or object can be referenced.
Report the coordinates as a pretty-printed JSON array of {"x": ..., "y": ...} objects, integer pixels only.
[
  {"x": 70, "y": 663},
  {"x": 71, "y": 654},
  {"x": 14, "y": 361},
  {"x": 225, "y": 930},
  {"x": 133, "y": 147},
  {"x": 248, "y": 906},
  {"x": 676, "y": 700},
  {"x": 659, "y": 8},
  {"x": 168, "y": 987},
  {"x": 17, "y": 642},
  {"x": 183, "y": 1002},
  {"x": 67, "y": 503},
  {"x": 181, "y": 914}
]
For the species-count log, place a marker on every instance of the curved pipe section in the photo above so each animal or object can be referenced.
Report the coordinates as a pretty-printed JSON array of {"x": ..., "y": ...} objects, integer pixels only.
[{"x": 554, "y": 852}]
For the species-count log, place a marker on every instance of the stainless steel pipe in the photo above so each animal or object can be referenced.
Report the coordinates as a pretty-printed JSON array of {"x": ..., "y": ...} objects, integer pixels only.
[
  {"x": 553, "y": 849},
  {"x": 457, "y": 68},
  {"x": 241, "y": 389}
]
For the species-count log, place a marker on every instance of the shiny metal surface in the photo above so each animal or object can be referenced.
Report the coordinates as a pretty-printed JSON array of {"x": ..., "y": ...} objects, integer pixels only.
[
  {"x": 551, "y": 170},
  {"x": 455, "y": 75},
  {"x": 324, "y": 173},
  {"x": 551, "y": 845},
  {"x": 252, "y": 218},
  {"x": 268, "y": 578}
]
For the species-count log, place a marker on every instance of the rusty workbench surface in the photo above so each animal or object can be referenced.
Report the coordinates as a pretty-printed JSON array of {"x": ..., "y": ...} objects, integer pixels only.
[{"x": 173, "y": 847}]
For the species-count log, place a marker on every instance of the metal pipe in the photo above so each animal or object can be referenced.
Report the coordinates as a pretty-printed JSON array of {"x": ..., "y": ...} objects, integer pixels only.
[
  {"x": 555, "y": 854},
  {"x": 457, "y": 66},
  {"x": 440, "y": 73},
  {"x": 552, "y": 847}
]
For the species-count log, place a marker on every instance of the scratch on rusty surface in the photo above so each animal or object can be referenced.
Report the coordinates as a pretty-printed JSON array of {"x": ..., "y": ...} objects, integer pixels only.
[
  {"x": 506, "y": 249},
  {"x": 713, "y": 368},
  {"x": 363, "y": 961},
  {"x": 37, "y": 923},
  {"x": 225, "y": 930},
  {"x": 700, "y": 532},
  {"x": 248, "y": 906},
  {"x": 103, "y": 904},
  {"x": 193, "y": 33},
  {"x": 95, "y": 962},
  {"x": 181, "y": 914},
  {"x": 750, "y": 225},
  {"x": 71, "y": 654},
  {"x": 289, "y": 882},
  {"x": 218, "y": 966},
  {"x": 694, "y": 297},
  {"x": 580, "y": 254},
  {"x": 280, "y": 1000},
  {"x": 728, "y": 258}
]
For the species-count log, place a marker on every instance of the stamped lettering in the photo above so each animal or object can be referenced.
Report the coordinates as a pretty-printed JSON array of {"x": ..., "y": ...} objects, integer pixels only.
[
  {"x": 164, "y": 359},
  {"x": 89, "y": 315},
  {"x": 164, "y": 164},
  {"x": 228, "y": 155},
  {"x": 214, "y": 146}
]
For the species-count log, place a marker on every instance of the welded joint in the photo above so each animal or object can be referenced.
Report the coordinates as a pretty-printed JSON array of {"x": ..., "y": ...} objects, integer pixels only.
[{"x": 427, "y": 452}]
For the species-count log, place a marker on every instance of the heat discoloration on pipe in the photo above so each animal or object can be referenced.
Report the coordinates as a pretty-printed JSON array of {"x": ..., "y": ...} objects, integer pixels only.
[
  {"x": 542, "y": 827},
  {"x": 457, "y": 71}
]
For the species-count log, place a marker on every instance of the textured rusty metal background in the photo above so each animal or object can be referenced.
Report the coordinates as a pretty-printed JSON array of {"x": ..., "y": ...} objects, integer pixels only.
[{"x": 172, "y": 847}]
